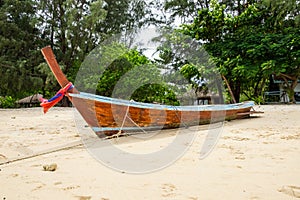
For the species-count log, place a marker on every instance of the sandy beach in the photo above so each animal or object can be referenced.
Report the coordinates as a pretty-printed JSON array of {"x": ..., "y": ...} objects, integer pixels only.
[{"x": 255, "y": 158}]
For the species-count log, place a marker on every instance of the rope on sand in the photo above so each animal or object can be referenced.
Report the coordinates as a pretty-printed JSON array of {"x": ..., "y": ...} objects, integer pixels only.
[{"x": 48, "y": 151}]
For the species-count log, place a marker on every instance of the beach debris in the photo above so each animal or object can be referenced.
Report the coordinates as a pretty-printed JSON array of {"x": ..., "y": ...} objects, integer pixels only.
[
  {"x": 52, "y": 167},
  {"x": 84, "y": 197},
  {"x": 291, "y": 190},
  {"x": 2, "y": 156}
]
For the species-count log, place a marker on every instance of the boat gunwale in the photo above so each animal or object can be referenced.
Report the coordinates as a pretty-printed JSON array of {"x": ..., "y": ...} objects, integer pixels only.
[{"x": 141, "y": 105}]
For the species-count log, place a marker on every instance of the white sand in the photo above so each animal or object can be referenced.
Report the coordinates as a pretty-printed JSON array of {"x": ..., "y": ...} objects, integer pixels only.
[{"x": 257, "y": 158}]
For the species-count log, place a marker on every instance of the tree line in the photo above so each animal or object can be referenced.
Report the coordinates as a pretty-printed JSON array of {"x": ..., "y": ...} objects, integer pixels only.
[{"x": 248, "y": 40}]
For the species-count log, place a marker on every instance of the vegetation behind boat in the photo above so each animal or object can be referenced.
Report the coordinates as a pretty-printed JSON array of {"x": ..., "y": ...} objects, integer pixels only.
[{"x": 249, "y": 41}]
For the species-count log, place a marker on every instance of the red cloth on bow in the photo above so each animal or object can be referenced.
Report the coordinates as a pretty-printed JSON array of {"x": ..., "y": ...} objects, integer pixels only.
[{"x": 49, "y": 103}]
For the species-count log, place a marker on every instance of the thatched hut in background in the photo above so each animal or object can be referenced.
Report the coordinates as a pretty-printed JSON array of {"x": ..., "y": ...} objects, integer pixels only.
[{"x": 30, "y": 101}]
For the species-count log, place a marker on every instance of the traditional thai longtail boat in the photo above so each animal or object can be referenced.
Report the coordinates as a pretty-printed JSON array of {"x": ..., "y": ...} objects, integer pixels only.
[{"x": 107, "y": 116}]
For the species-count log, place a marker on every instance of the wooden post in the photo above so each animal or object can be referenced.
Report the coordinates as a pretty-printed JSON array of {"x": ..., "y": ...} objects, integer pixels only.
[{"x": 229, "y": 88}]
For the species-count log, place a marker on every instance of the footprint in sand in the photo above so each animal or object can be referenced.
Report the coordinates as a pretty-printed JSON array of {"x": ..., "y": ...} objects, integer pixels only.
[
  {"x": 291, "y": 190},
  {"x": 168, "y": 189}
]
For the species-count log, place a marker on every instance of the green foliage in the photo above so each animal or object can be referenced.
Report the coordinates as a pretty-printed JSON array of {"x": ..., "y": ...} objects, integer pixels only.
[
  {"x": 18, "y": 48},
  {"x": 72, "y": 27},
  {"x": 111, "y": 76},
  {"x": 185, "y": 10},
  {"x": 7, "y": 102},
  {"x": 188, "y": 66},
  {"x": 133, "y": 76},
  {"x": 124, "y": 15},
  {"x": 192, "y": 74},
  {"x": 189, "y": 71},
  {"x": 248, "y": 40},
  {"x": 155, "y": 93},
  {"x": 251, "y": 44}
]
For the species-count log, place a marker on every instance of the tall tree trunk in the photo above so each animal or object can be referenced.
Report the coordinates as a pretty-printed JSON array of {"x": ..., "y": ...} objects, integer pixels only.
[
  {"x": 207, "y": 3},
  {"x": 220, "y": 92},
  {"x": 292, "y": 91},
  {"x": 292, "y": 86},
  {"x": 63, "y": 40},
  {"x": 229, "y": 88},
  {"x": 236, "y": 89},
  {"x": 239, "y": 8},
  {"x": 52, "y": 29},
  {"x": 261, "y": 87}
]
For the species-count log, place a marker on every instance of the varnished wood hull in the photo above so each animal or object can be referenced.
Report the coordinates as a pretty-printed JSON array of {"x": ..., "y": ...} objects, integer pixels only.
[{"x": 108, "y": 116}]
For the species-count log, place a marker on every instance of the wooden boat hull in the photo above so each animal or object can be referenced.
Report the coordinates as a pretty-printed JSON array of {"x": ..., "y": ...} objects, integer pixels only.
[{"x": 109, "y": 116}]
